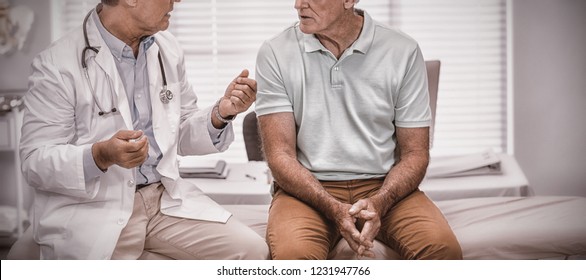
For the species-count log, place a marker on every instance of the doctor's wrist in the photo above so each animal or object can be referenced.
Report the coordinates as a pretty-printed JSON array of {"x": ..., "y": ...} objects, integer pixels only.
[
  {"x": 221, "y": 115},
  {"x": 99, "y": 159},
  {"x": 218, "y": 120}
]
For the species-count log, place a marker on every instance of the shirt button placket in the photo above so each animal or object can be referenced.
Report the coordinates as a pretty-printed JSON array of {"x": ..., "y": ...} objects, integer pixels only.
[{"x": 336, "y": 81}]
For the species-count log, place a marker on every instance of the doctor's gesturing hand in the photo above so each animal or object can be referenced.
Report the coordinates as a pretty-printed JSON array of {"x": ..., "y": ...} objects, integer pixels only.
[
  {"x": 239, "y": 96},
  {"x": 126, "y": 148}
]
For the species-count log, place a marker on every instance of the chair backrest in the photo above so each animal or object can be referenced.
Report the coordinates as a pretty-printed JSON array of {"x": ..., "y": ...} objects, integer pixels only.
[
  {"x": 252, "y": 140},
  {"x": 433, "y": 71}
]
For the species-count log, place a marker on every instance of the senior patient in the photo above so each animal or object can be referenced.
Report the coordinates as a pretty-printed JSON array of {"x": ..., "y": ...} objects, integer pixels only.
[
  {"x": 344, "y": 116},
  {"x": 108, "y": 110}
]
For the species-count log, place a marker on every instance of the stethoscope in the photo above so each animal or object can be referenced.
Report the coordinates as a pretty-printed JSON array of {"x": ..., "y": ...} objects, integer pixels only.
[{"x": 165, "y": 95}]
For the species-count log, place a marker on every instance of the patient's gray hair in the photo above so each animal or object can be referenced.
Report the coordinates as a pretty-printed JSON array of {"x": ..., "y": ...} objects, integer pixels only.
[{"x": 110, "y": 2}]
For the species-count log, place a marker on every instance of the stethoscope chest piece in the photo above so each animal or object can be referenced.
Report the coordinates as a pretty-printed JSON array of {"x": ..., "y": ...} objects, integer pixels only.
[{"x": 165, "y": 95}]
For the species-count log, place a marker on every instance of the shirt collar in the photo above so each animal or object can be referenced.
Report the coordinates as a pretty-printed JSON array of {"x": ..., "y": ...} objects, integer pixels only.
[
  {"x": 362, "y": 44},
  {"x": 118, "y": 48}
]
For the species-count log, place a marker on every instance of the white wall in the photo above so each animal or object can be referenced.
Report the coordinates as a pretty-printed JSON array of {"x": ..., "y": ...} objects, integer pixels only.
[
  {"x": 14, "y": 71},
  {"x": 15, "y": 68},
  {"x": 549, "y": 50}
]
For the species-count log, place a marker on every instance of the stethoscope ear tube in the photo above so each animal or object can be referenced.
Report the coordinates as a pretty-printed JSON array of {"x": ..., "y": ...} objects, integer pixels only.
[{"x": 101, "y": 111}]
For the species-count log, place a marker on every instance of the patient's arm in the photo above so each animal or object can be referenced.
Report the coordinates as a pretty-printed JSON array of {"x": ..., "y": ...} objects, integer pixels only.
[
  {"x": 402, "y": 179},
  {"x": 279, "y": 142}
]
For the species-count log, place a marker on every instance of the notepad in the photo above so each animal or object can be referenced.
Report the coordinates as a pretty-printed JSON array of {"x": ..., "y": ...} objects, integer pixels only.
[{"x": 205, "y": 169}]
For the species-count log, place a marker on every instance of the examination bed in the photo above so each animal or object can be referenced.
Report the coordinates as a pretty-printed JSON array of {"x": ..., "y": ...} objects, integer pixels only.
[{"x": 494, "y": 228}]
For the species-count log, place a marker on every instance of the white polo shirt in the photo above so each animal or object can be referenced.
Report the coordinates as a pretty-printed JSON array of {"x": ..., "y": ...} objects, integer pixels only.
[{"x": 345, "y": 109}]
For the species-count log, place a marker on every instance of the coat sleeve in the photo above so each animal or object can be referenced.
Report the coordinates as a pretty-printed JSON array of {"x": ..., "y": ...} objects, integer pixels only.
[
  {"x": 49, "y": 161},
  {"x": 194, "y": 136}
]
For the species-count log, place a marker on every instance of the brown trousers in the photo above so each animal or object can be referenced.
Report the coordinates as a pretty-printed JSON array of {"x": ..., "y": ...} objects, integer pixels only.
[{"x": 415, "y": 228}]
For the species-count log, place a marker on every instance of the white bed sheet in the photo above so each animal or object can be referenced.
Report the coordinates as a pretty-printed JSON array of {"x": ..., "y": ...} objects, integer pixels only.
[
  {"x": 494, "y": 228},
  {"x": 518, "y": 228}
]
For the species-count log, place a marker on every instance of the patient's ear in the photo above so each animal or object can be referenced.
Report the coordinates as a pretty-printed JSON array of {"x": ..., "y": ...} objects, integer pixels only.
[
  {"x": 131, "y": 3},
  {"x": 349, "y": 4}
]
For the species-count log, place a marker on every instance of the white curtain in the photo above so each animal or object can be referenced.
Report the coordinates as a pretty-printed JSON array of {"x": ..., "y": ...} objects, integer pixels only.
[{"x": 221, "y": 37}]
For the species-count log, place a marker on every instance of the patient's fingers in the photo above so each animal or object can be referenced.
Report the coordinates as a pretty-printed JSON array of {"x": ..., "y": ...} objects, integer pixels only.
[
  {"x": 365, "y": 215},
  {"x": 369, "y": 232},
  {"x": 358, "y": 206},
  {"x": 354, "y": 245},
  {"x": 364, "y": 252}
]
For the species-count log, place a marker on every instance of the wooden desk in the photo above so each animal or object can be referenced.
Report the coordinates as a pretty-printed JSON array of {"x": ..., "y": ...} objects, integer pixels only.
[{"x": 239, "y": 188}]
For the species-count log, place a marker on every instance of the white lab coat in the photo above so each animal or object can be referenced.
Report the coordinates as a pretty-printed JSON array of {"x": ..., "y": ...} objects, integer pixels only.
[{"x": 73, "y": 219}]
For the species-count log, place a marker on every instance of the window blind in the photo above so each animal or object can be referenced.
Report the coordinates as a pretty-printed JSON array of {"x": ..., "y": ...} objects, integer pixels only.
[
  {"x": 469, "y": 37},
  {"x": 221, "y": 37}
]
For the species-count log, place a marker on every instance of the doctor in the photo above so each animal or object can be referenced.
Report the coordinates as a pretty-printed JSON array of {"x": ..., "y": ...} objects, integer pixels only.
[{"x": 108, "y": 110}]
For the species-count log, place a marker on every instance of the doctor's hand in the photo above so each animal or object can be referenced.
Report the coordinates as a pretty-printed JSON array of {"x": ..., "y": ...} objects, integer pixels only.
[
  {"x": 239, "y": 96},
  {"x": 127, "y": 148}
]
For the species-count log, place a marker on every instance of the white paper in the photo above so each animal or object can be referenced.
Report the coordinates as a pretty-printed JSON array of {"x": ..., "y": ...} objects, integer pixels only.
[{"x": 484, "y": 163}]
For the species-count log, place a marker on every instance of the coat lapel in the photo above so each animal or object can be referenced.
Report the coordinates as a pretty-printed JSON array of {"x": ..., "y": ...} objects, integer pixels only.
[
  {"x": 105, "y": 60},
  {"x": 159, "y": 118}
]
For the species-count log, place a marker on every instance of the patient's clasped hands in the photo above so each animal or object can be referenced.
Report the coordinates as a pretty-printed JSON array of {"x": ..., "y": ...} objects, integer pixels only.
[{"x": 364, "y": 212}]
